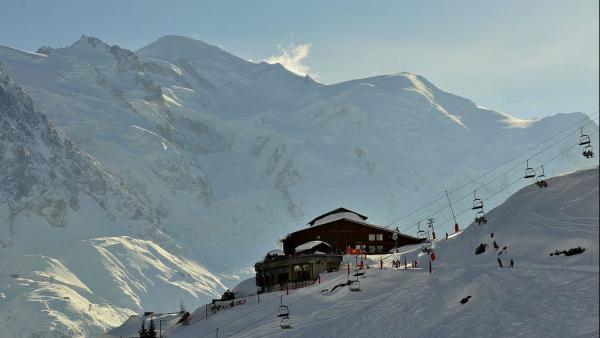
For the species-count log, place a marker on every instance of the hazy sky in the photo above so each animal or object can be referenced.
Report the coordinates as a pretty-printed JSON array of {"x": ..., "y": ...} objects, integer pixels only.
[{"x": 528, "y": 58}]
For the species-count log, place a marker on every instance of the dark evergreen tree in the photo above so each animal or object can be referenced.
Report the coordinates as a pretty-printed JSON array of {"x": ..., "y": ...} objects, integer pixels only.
[
  {"x": 151, "y": 330},
  {"x": 143, "y": 332}
]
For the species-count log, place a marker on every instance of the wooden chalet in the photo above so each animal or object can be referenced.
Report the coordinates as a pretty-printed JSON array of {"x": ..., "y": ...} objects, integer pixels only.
[
  {"x": 345, "y": 230},
  {"x": 320, "y": 247}
]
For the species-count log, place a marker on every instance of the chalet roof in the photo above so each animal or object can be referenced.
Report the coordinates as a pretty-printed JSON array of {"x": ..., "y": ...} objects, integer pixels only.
[
  {"x": 363, "y": 223},
  {"x": 336, "y": 211},
  {"x": 310, "y": 245}
]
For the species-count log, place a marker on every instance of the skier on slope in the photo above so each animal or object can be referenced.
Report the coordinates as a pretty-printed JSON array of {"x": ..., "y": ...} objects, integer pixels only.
[
  {"x": 512, "y": 263},
  {"x": 500, "y": 262}
]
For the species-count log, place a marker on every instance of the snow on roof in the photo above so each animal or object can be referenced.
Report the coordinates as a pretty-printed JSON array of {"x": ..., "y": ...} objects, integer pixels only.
[
  {"x": 275, "y": 252},
  {"x": 336, "y": 214},
  {"x": 309, "y": 245}
]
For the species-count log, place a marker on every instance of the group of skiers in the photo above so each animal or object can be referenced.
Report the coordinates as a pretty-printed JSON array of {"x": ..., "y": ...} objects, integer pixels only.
[
  {"x": 397, "y": 264},
  {"x": 496, "y": 247}
]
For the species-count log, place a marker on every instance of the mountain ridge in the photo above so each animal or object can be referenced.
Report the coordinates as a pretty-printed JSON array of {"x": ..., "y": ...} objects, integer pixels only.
[{"x": 230, "y": 156}]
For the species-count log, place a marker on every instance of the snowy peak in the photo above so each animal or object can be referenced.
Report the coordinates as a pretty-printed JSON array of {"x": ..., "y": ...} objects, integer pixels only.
[
  {"x": 181, "y": 44},
  {"x": 90, "y": 41}
]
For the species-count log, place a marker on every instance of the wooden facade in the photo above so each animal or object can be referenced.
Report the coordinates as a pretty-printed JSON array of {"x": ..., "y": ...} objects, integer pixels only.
[{"x": 346, "y": 233}]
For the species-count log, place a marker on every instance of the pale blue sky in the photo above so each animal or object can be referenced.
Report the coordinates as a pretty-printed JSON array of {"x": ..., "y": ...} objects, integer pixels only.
[{"x": 528, "y": 58}]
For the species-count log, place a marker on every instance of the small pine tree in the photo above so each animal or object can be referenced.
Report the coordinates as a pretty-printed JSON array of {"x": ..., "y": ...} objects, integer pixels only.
[
  {"x": 143, "y": 332},
  {"x": 151, "y": 330}
]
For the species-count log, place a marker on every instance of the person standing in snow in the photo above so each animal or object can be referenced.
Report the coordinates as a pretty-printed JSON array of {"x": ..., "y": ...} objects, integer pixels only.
[
  {"x": 512, "y": 263},
  {"x": 496, "y": 246},
  {"x": 446, "y": 235},
  {"x": 500, "y": 262}
]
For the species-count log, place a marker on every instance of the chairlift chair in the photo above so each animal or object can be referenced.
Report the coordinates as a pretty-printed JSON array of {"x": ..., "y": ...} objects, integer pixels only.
[
  {"x": 427, "y": 247},
  {"x": 584, "y": 139},
  {"x": 529, "y": 172},
  {"x": 480, "y": 218},
  {"x": 355, "y": 286},
  {"x": 421, "y": 234},
  {"x": 284, "y": 310},
  {"x": 477, "y": 203},
  {"x": 588, "y": 151},
  {"x": 285, "y": 323},
  {"x": 540, "y": 181}
]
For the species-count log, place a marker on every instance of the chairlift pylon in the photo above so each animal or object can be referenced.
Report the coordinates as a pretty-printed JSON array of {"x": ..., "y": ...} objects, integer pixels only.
[
  {"x": 529, "y": 172},
  {"x": 584, "y": 139},
  {"x": 477, "y": 202}
]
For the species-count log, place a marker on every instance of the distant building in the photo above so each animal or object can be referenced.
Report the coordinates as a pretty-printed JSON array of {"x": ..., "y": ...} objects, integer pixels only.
[
  {"x": 344, "y": 229},
  {"x": 320, "y": 247}
]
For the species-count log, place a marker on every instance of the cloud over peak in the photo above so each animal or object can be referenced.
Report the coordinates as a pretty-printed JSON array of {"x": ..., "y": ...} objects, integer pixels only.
[{"x": 292, "y": 58}]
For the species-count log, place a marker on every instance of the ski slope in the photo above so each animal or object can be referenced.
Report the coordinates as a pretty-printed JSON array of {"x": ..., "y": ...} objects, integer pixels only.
[{"x": 542, "y": 296}]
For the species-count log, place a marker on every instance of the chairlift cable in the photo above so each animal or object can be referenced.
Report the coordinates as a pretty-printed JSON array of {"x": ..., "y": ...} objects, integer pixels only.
[
  {"x": 509, "y": 170},
  {"x": 588, "y": 117}
]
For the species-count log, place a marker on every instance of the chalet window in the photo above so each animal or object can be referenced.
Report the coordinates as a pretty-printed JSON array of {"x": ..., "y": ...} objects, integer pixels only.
[
  {"x": 380, "y": 249},
  {"x": 371, "y": 237},
  {"x": 380, "y": 237},
  {"x": 371, "y": 248}
]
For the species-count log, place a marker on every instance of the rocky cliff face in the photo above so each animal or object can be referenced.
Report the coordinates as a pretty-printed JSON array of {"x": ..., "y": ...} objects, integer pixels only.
[{"x": 44, "y": 173}]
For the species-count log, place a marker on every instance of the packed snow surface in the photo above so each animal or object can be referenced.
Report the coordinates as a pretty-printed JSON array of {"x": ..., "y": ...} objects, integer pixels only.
[{"x": 542, "y": 296}]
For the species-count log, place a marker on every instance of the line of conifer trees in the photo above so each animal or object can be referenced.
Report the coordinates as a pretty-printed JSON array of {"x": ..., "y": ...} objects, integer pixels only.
[{"x": 150, "y": 332}]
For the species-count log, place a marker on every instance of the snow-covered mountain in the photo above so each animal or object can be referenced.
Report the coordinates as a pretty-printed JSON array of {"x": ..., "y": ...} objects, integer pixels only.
[
  {"x": 543, "y": 295},
  {"x": 213, "y": 158},
  {"x": 55, "y": 283}
]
